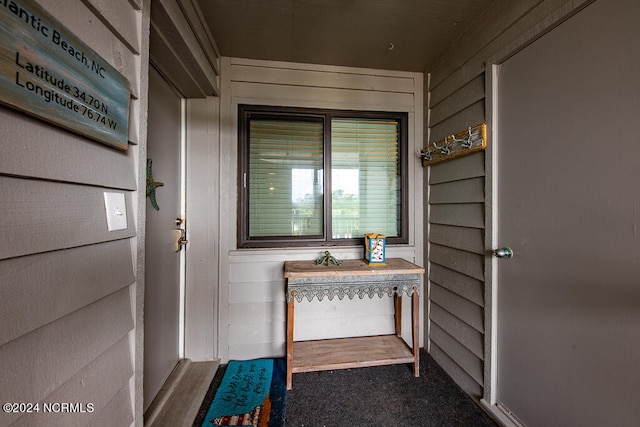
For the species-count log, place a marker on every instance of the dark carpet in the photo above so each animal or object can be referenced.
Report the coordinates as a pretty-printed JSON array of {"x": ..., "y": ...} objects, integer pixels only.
[
  {"x": 382, "y": 396},
  {"x": 386, "y": 396}
]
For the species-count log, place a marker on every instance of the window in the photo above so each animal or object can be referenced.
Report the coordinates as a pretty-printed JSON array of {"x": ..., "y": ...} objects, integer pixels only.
[{"x": 320, "y": 177}]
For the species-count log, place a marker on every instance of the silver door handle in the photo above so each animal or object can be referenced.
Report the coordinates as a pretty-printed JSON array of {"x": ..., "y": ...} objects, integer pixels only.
[{"x": 505, "y": 252}]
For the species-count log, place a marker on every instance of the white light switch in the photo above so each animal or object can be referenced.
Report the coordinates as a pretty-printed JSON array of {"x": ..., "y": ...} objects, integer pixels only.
[{"x": 116, "y": 209}]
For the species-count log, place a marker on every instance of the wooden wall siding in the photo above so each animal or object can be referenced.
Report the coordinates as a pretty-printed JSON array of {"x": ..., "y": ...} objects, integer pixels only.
[
  {"x": 341, "y": 319},
  {"x": 117, "y": 412},
  {"x": 256, "y": 305},
  {"x": 474, "y": 365},
  {"x": 467, "y": 167},
  {"x": 458, "y": 283},
  {"x": 469, "y": 94},
  {"x": 464, "y": 215},
  {"x": 92, "y": 389},
  {"x": 463, "y": 191},
  {"x": 456, "y": 256},
  {"x": 456, "y": 217},
  {"x": 67, "y": 285},
  {"x": 473, "y": 113},
  {"x": 461, "y": 376},
  {"x": 252, "y": 300},
  {"x": 465, "y": 310},
  {"x": 26, "y": 151},
  {"x": 471, "y": 338},
  {"x": 74, "y": 216},
  {"x": 58, "y": 283},
  {"x": 339, "y": 79},
  {"x": 257, "y": 313},
  {"x": 125, "y": 27},
  {"x": 257, "y": 310},
  {"x": 79, "y": 19},
  {"x": 464, "y": 262},
  {"x": 459, "y": 74},
  {"x": 332, "y": 98},
  {"x": 464, "y": 238},
  {"x": 328, "y": 87},
  {"x": 37, "y": 364}
]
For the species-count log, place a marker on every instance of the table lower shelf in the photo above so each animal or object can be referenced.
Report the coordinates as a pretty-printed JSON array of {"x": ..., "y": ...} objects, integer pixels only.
[{"x": 345, "y": 353}]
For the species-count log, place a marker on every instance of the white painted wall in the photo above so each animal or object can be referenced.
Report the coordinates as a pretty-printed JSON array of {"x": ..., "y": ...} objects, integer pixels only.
[
  {"x": 251, "y": 284},
  {"x": 203, "y": 250}
]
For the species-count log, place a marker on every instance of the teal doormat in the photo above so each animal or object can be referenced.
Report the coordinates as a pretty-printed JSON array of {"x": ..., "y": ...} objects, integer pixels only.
[{"x": 251, "y": 392}]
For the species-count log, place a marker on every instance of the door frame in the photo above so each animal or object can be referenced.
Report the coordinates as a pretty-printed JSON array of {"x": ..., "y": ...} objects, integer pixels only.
[
  {"x": 492, "y": 116},
  {"x": 489, "y": 399},
  {"x": 181, "y": 189},
  {"x": 183, "y": 206},
  {"x": 183, "y": 216},
  {"x": 183, "y": 49}
]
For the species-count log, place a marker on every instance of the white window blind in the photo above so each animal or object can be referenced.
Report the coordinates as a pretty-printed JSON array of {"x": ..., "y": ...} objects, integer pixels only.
[
  {"x": 366, "y": 184},
  {"x": 285, "y": 178}
]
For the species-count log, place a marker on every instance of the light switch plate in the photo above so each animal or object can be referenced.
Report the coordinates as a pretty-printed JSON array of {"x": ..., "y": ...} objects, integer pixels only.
[{"x": 116, "y": 208}]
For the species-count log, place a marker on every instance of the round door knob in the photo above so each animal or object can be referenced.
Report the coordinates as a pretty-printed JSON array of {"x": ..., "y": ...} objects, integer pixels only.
[{"x": 505, "y": 252}]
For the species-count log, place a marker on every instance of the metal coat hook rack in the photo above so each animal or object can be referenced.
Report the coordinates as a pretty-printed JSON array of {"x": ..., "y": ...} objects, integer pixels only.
[
  {"x": 473, "y": 139},
  {"x": 464, "y": 142}
]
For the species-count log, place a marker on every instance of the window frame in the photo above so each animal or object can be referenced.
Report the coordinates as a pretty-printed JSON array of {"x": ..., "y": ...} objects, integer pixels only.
[{"x": 246, "y": 112}]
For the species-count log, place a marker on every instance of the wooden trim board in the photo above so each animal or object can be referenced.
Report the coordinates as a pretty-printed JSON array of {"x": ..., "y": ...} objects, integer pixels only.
[
  {"x": 345, "y": 353},
  {"x": 349, "y": 267}
]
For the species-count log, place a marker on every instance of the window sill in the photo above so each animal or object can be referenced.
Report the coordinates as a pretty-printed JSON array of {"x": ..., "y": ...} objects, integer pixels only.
[{"x": 314, "y": 252}]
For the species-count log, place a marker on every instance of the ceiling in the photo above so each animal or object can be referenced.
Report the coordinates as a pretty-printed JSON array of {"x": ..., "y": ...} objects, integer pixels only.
[{"x": 406, "y": 35}]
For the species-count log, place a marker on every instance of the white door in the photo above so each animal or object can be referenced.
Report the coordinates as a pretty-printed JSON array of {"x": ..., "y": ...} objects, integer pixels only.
[
  {"x": 568, "y": 198},
  {"x": 163, "y": 296}
]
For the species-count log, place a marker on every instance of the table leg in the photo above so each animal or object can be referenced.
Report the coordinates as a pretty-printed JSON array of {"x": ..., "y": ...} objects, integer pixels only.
[
  {"x": 415, "y": 323},
  {"x": 290, "y": 342},
  {"x": 398, "y": 314}
]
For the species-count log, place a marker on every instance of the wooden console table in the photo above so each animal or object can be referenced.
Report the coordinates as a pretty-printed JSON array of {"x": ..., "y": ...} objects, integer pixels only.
[{"x": 307, "y": 280}]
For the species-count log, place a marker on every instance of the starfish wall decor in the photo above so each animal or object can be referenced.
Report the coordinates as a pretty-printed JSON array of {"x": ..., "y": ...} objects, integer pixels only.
[{"x": 152, "y": 185}]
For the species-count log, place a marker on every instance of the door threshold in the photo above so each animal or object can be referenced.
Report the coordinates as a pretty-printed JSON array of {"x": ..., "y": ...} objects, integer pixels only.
[
  {"x": 501, "y": 414},
  {"x": 180, "y": 397}
]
